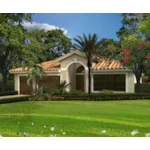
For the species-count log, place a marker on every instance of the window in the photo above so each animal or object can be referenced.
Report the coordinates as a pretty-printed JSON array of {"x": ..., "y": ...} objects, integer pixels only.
[
  {"x": 80, "y": 69},
  {"x": 115, "y": 82}
]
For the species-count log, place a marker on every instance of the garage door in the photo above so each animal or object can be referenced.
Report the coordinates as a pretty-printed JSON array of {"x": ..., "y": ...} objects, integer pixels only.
[
  {"x": 24, "y": 87},
  {"x": 49, "y": 82}
]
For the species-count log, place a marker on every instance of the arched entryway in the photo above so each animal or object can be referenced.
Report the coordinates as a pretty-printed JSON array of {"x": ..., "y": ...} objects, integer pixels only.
[{"x": 76, "y": 77}]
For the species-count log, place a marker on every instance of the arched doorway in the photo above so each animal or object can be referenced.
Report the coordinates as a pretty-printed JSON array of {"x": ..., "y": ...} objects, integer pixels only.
[
  {"x": 76, "y": 77},
  {"x": 80, "y": 78}
]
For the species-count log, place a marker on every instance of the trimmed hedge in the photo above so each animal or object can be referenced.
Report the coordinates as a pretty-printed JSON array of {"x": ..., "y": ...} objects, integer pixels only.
[
  {"x": 145, "y": 88},
  {"x": 97, "y": 97},
  {"x": 5, "y": 93},
  {"x": 104, "y": 97},
  {"x": 14, "y": 99}
]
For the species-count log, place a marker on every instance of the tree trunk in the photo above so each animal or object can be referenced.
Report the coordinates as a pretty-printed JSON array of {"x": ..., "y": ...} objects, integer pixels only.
[
  {"x": 89, "y": 79},
  {"x": 4, "y": 82},
  {"x": 138, "y": 84}
]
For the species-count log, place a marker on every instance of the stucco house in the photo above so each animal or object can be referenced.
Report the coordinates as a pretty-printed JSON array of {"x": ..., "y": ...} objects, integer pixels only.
[{"x": 72, "y": 67}]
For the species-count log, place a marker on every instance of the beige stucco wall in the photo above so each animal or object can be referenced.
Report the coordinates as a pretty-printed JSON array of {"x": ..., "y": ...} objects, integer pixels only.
[{"x": 130, "y": 82}]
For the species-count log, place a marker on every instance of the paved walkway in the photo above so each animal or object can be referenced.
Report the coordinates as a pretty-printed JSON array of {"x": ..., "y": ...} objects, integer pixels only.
[{"x": 12, "y": 96}]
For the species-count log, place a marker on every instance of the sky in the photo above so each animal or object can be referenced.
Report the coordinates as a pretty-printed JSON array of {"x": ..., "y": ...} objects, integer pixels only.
[{"x": 105, "y": 25}]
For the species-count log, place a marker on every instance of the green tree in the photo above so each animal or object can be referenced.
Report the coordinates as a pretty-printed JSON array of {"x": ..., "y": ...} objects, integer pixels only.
[
  {"x": 54, "y": 43},
  {"x": 134, "y": 44},
  {"x": 136, "y": 56},
  {"x": 144, "y": 27},
  {"x": 90, "y": 45},
  {"x": 17, "y": 47},
  {"x": 130, "y": 23}
]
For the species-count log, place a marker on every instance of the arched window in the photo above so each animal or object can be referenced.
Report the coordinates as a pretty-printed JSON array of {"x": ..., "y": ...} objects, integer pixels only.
[{"x": 80, "y": 69}]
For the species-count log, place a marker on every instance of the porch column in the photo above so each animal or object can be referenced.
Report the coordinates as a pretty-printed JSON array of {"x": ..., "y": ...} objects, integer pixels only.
[
  {"x": 65, "y": 77},
  {"x": 86, "y": 81},
  {"x": 130, "y": 82},
  {"x": 92, "y": 83},
  {"x": 17, "y": 83},
  {"x": 34, "y": 85}
]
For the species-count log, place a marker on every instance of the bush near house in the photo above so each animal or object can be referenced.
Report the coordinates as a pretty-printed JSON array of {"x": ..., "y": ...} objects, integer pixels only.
[
  {"x": 10, "y": 85},
  {"x": 5, "y": 93},
  {"x": 96, "y": 97},
  {"x": 145, "y": 88}
]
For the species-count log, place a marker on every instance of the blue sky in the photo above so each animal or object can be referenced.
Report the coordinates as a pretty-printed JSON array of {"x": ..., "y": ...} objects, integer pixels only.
[{"x": 105, "y": 25}]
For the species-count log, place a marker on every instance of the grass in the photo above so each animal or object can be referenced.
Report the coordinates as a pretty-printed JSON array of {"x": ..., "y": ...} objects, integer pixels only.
[{"x": 75, "y": 118}]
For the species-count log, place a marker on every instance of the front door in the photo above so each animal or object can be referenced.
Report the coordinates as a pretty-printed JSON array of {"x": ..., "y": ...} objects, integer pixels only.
[{"x": 80, "y": 82}]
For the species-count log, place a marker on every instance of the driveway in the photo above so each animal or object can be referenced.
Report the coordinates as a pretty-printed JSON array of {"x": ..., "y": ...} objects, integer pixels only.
[{"x": 12, "y": 96}]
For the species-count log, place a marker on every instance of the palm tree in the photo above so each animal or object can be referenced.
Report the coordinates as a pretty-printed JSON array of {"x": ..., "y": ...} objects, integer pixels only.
[
  {"x": 35, "y": 74},
  {"x": 90, "y": 45}
]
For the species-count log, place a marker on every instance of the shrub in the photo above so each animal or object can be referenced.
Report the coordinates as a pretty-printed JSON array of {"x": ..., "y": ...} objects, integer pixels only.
[
  {"x": 40, "y": 93},
  {"x": 61, "y": 87},
  {"x": 15, "y": 99},
  {"x": 102, "y": 97},
  {"x": 107, "y": 91},
  {"x": 145, "y": 88},
  {"x": 75, "y": 92},
  {"x": 10, "y": 85},
  {"x": 99, "y": 97},
  {"x": 8, "y": 93}
]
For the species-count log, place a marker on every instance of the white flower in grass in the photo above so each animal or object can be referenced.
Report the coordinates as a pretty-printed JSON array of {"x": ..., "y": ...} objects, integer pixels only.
[
  {"x": 18, "y": 122},
  {"x": 147, "y": 134},
  {"x": 103, "y": 131},
  {"x": 32, "y": 123},
  {"x": 25, "y": 134},
  {"x": 134, "y": 132},
  {"x": 52, "y": 128},
  {"x": 45, "y": 126},
  {"x": 63, "y": 133}
]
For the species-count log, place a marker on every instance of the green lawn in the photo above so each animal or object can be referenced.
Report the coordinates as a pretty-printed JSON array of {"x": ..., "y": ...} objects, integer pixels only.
[{"x": 75, "y": 118}]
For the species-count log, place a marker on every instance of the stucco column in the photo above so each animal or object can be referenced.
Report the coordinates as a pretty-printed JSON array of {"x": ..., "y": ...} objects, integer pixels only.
[
  {"x": 86, "y": 81},
  {"x": 65, "y": 77},
  {"x": 17, "y": 83},
  {"x": 92, "y": 83},
  {"x": 34, "y": 85},
  {"x": 130, "y": 82}
]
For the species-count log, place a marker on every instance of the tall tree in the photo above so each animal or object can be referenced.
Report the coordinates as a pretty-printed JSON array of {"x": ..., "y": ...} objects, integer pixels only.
[
  {"x": 13, "y": 44},
  {"x": 130, "y": 22},
  {"x": 135, "y": 54},
  {"x": 90, "y": 45},
  {"x": 54, "y": 43}
]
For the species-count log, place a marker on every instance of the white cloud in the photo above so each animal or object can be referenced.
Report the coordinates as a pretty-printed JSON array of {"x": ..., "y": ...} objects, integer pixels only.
[{"x": 40, "y": 26}]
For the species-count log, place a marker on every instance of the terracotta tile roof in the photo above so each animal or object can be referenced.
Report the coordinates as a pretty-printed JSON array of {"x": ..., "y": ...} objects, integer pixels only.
[
  {"x": 48, "y": 66},
  {"x": 54, "y": 65},
  {"x": 107, "y": 64}
]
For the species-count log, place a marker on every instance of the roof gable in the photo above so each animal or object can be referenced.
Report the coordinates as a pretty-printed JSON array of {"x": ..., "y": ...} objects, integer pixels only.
[{"x": 70, "y": 54}]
